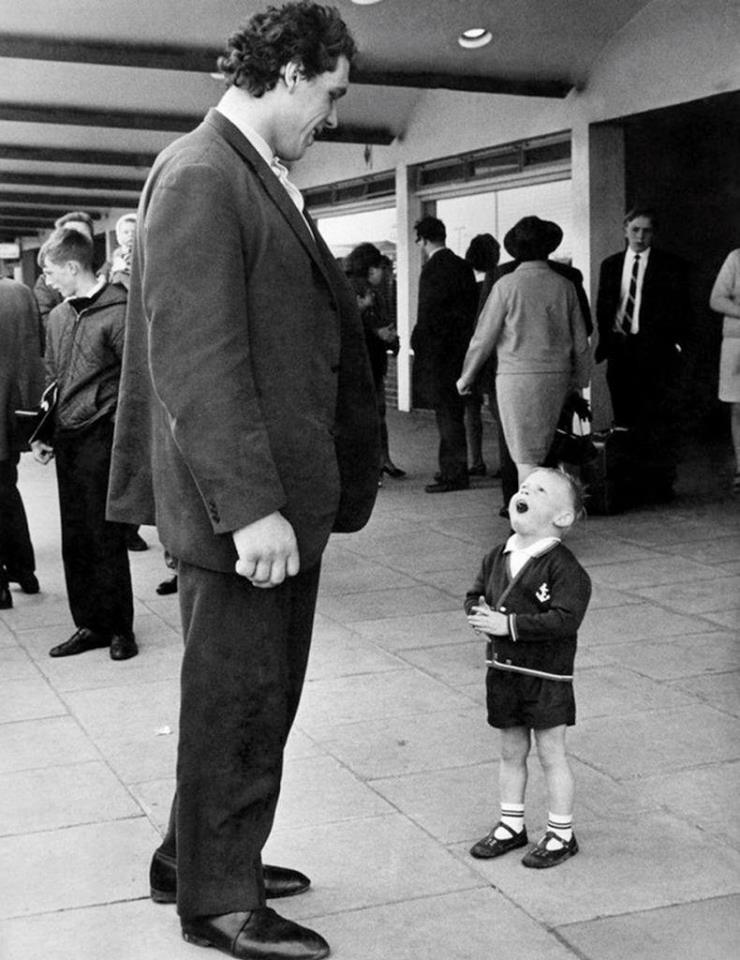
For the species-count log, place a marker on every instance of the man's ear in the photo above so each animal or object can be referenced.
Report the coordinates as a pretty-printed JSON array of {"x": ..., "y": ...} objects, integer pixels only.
[{"x": 292, "y": 73}]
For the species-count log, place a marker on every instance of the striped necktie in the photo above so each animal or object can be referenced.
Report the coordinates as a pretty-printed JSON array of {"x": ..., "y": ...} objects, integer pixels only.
[{"x": 629, "y": 307}]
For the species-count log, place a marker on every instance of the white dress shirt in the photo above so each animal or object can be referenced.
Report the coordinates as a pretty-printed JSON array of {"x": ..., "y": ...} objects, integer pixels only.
[
  {"x": 629, "y": 259},
  {"x": 517, "y": 558}
]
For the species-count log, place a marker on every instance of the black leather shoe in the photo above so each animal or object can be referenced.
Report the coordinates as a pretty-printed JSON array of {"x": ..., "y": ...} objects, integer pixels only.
[
  {"x": 279, "y": 881},
  {"x": 6, "y": 600},
  {"x": 446, "y": 486},
  {"x": 540, "y": 857},
  {"x": 167, "y": 587},
  {"x": 393, "y": 471},
  {"x": 136, "y": 542},
  {"x": 123, "y": 646},
  {"x": 490, "y": 847},
  {"x": 81, "y": 641},
  {"x": 27, "y": 582},
  {"x": 259, "y": 934},
  {"x": 479, "y": 470}
]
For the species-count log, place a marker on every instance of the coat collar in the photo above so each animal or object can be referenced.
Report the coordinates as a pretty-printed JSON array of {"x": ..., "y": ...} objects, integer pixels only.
[{"x": 314, "y": 245}]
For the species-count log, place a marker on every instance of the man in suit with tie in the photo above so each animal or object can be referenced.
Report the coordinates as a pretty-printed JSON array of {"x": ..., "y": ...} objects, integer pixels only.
[
  {"x": 643, "y": 315},
  {"x": 247, "y": 401},
  {"x": 448, "y": 302}
]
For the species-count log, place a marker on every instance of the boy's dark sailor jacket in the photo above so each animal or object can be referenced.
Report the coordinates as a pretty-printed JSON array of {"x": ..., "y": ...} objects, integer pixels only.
[{"x": 544, "y": 604}]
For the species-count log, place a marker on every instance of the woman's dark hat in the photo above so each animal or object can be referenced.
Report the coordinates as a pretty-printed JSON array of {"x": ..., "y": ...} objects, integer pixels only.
[{"x": 532, "y": 239}]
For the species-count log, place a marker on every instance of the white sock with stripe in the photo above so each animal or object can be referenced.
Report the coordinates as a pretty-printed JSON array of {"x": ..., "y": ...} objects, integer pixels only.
[
  {"x": 562, "y": 826},
  {"x": 512, "y": 815}
]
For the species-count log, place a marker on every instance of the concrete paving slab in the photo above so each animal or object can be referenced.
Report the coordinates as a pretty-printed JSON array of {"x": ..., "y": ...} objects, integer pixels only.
[
  {"x": 395, "y": 693},
  {"x": 95, "y": 670},
  {"x": 34, "y": 744},
  {"x": 74, "y": 867},
  {"x": 383, "y": 604},
  {"x": 603, "y": 596},
  {"x": 151, "y": 759},
  {"x": 54, "y": 797},
  {"x": 15, "y": 664},
  {"x": 389, "y": 746},
  {"x": 154, "y": 798},
  {"x": 458, "y": 926},
  {"x": 366, "y": 862},
  {"x": 648, "y": 743},
  {"x": 641, "y": 621},
  {"x": 684, "y": 656},
  {"x": 724, "y": 618},
  {"x": 28, "y": 699},
  {"x": 625, "y": 866},
  {"x": 353, "y": 574},
  {"x": 137, "y": 930},
  {"x": 341, "y": 653},
  {"x": 720, "y": 690},
  {"x": 709, "y": 930},
  {"x": 717, "y": 551},
  {"x": 454, "y": 663},
  {"x": 657, "y": 570},
  {"x": 706, "y": 596},
  {"x": 610, "y": 691},
  {"x": 706, "y": 798},
  {"x": 135, "y": 711},
  {"x": 422, "y": 630}
]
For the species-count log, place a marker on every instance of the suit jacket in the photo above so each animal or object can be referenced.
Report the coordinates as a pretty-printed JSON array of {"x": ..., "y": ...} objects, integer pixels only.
[
  {"x": 246, "y": 387},
  {"x": 665, "y": 310},
  {"x": 21, "y": 368},
  {"x": 448, "y": 302}
]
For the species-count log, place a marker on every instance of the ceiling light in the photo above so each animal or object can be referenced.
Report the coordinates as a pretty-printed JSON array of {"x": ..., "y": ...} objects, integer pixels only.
[
  {"x": 365, "y": 3},
  {"x": 474, "y": 38}
]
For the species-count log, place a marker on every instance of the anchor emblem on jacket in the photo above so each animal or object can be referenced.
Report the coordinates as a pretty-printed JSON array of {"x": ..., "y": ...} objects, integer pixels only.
[{"x": 543, "y": 594}]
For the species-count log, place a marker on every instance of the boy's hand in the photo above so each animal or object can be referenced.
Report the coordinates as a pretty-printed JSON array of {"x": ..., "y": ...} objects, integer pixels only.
[{"x": 484, "y": 619}]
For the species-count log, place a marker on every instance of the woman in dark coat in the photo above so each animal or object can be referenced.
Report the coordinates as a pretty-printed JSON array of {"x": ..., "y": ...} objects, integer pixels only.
[{"x": 365, "y": 266}]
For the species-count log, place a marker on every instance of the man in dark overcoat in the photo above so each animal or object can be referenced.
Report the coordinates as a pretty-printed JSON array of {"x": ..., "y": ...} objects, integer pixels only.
[
  {"x": 643, "y": 313},
  {"x": 448, "y": 302},
  {"x": 248, "y": 404},
  {"x": 21, "y": 382}
]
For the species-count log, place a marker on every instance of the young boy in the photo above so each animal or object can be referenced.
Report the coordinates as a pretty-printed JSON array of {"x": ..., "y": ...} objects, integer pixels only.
[
  {"x": 529, "y": 598},
  {"x": 84, "y": 345}
]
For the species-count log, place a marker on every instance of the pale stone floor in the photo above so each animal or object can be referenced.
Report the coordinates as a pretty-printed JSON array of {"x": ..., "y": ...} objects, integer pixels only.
[{"x": 391, "y": 771}]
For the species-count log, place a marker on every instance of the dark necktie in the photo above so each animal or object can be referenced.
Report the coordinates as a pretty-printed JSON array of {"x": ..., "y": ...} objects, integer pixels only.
[{"x": 629, "y": 307}]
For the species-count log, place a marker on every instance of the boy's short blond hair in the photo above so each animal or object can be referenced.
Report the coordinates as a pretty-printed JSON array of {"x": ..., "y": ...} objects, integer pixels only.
[{"x": 574, "y": 487}]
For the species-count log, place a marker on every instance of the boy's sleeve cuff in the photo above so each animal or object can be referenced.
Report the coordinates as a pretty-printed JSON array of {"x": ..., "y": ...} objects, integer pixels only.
[{"x": 512, "y": 627}]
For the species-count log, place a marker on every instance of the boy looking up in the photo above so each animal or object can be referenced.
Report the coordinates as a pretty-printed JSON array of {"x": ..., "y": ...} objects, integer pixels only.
[{"x": 529, "y": 599}]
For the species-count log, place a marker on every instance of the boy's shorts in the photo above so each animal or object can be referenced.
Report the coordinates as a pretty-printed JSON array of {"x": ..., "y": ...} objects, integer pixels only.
[{"x": 520, "y": 700}]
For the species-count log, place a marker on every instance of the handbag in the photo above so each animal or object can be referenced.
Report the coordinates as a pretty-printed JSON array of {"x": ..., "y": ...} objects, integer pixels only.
[
  {"x": 38, "y": 424},
  {"x": 573, "y": 446}
]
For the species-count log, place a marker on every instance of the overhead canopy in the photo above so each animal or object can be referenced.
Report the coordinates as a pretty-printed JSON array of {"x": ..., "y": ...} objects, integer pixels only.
[{"x": 91, "y": 91}]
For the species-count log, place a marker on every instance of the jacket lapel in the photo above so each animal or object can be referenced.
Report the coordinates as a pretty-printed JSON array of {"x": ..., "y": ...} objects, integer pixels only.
[{"x": 273, "y": 188}]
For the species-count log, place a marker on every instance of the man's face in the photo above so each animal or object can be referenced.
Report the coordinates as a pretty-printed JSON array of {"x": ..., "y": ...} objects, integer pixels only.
[
  {"x": 311, "y": 107},
  {"x": 639, "y": 234},
  {"x": 60, "y": 276}
]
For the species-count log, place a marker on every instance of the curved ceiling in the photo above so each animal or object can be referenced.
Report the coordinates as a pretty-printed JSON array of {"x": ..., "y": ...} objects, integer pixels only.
[{"x": 91, "y": 91}]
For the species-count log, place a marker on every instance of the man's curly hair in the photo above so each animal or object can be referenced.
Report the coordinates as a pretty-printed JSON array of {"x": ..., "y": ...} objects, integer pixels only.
[{"x": 312, "y": 35}]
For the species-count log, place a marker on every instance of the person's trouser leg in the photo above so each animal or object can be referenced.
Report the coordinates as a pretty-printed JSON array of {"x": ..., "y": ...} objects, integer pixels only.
[
  {"x": 246, "y": 651},
  {"x": 453, "y": 449},
  {"x": 16, "y": 550},
  {"x": 96, "y": 566}
]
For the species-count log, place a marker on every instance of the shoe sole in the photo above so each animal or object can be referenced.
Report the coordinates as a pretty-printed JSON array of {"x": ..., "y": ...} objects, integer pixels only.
[{"x": 204, "y": 942}]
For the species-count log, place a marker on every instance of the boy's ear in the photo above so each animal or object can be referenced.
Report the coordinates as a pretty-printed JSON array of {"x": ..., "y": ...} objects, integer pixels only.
[{"x": 566, "y": 518}]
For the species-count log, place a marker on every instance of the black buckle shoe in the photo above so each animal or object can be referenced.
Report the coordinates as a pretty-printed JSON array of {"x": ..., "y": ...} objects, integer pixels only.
[
  {"x": 490, "y": 846},
  {"x": 540, "y": 857}
]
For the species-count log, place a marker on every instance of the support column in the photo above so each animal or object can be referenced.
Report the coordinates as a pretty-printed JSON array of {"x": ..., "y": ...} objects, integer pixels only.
[{"x": 408, "y": 265}]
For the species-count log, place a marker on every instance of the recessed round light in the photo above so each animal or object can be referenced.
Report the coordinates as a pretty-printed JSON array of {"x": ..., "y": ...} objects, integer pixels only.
[
  {"x": 474, "y": 38},
  {"x": 365, "y": 3}
]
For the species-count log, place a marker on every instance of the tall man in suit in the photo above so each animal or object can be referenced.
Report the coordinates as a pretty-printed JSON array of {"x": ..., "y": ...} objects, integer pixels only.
[
  {"x": 247, "y": 389},
  {"x": 448, "y": 302},
  {"x": 21, "y": 381},
  {"x": 643, "y": 315}
]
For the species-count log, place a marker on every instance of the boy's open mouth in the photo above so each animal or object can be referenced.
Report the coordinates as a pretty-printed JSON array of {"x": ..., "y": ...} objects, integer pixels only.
[{"x": 521, "y": 506}]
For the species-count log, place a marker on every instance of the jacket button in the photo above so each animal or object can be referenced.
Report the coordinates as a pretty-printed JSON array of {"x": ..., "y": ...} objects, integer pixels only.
[
  {"x": 502, "y": 609},
  {"x": 509, "y": 662}
]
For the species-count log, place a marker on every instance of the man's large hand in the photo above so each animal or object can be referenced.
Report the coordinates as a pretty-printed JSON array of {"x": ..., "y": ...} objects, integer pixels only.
[{"x": 268, "y": 551}]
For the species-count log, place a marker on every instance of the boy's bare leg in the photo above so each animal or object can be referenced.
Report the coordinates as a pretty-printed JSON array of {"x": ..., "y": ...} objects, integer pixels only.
[
  {"x": 558, "y": 775},
  {"x": 515, "y": 744}
]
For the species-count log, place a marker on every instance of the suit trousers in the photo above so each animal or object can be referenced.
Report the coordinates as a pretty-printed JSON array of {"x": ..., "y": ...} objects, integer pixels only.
[
  {"x": 16, "y": 550},
  {"x": 246, "y": 651},
  {"x": 96, "y": 567},
  {"x": 453, "y": 444}
]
